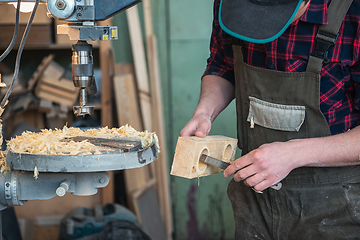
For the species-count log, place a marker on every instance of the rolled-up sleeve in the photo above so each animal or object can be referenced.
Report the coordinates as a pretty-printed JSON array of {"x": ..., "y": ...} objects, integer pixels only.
[
  {"x": 220, "y": 62},
  {"x": 355, "y": 76}
]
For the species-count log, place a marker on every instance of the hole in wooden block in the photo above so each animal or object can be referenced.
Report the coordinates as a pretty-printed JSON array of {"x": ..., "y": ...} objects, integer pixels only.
[
  {"x": 228, "y": 152},
  {"x": 201, "y": 165}
]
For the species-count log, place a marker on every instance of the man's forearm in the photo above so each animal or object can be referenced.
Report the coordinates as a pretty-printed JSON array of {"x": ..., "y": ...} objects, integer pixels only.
[
  {"x": 272, "y": 162},
  {"x": 216, "y": 94},
  {"x": 337, "y": 150}
]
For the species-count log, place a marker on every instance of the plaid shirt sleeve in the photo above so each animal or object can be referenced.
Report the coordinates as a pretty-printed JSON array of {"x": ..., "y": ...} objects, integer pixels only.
[
  {"x": 355, "y": 75},
  {"x": 355, "y": 69},
  {"x": 220, "y": 62}
]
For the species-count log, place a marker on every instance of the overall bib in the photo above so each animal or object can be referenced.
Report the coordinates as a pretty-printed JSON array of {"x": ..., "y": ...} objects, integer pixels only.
[{"x": 314, "y": 203}]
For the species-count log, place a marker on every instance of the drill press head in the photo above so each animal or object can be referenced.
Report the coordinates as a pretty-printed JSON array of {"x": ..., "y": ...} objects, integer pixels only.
[
  {"x": 81, "y": 16},
  {"x": 83, "y": 75}
]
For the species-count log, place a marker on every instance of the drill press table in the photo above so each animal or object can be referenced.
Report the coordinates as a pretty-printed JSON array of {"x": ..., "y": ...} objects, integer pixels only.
[{"x": 108, "y": 160}]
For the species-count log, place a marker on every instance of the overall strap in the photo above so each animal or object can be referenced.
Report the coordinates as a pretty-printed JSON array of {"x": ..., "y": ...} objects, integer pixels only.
[{"x": 327, "y": 35}]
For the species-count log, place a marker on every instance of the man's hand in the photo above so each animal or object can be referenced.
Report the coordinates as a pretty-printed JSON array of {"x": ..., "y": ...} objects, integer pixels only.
[
  {"x": 199, "y": 126},
  {"x": 265, "y": 166},
  {"x": 270, "y": 163},
  {"x": 216, "y": 94}
]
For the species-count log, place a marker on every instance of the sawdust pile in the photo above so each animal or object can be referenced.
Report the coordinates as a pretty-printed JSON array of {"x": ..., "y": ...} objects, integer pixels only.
[{"x": 50, "y": 142}]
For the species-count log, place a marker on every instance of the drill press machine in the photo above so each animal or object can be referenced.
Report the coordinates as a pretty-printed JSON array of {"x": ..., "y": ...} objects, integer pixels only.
[
  {"x": 80, "y": 174},
  {"x": 81, "y": 16}
]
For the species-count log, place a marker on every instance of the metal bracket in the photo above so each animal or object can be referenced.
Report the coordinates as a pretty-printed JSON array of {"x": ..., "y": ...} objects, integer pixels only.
[
  {"x": 88, "y": 33},
  {"x": 7, "y": 190}
]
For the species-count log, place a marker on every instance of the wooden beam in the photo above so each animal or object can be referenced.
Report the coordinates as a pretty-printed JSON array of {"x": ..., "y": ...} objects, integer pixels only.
[
  {"x": 128, "y": 111},
  {"x": 106, "y": 62},
  {"x": 127, "y": 103},
  {"x": 189, "y": 149},
  {"x": 161, "y": 165},
  {"x": 106, "y": 66},
  {"x": 141, "y": 71}
]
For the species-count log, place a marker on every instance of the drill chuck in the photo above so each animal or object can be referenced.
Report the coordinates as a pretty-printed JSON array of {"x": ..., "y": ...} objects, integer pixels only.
[
  {"x": 82, "y": 64},
  {"x": 82, "y": 73}
]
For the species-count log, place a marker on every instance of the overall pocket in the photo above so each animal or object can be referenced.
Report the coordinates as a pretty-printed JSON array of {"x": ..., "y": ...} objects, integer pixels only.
[{"x": 275, "y": 116}]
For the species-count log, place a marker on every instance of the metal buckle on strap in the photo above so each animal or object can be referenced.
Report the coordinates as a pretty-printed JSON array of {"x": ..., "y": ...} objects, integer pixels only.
[{"x": 323, "y": 42}]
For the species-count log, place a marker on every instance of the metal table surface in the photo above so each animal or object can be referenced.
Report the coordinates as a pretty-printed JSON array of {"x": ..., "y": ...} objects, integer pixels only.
[{"x": 82, "y": 163}]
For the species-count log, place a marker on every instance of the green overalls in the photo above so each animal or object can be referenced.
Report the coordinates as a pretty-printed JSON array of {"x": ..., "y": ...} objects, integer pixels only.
[{"x": 313, "y": 203}]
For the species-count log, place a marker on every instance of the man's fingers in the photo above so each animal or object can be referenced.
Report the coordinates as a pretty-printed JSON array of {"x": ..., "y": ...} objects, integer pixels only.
[
  {"x": 186, "y": 132},
  {"x": 263, "y": 185},
  {"x": 198, "y": 126},
  {"x": 202, "y": 130},
  {"x": 246, "y": 173},
  {"x": 238, "y": 164},
  {"x": 255, "y": 180},
  {"x": 189, "y": 129}
]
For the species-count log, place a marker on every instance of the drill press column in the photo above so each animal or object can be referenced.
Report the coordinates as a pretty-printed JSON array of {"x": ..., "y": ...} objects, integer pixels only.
[{"x": 83, "y": 75}]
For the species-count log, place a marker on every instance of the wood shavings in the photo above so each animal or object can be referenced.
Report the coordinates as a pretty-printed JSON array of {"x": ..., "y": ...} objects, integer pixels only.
[
  {"x": 49, "y": 142},
  {"x": 36, "y": 173},
  {"x": 3, "y": 165},
  {"x": 4, "y": 168}
]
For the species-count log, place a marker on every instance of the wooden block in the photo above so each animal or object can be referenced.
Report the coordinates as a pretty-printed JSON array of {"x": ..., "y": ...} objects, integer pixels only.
[
  {"x": 54, "y": 98},
  {"x": 39, "y": 71},
  {"x": 189, "y": 149},
  {"x": 54, "y": 70},
  {"x": 58, "y": 91},
  {"x": 64, "y": 83}
]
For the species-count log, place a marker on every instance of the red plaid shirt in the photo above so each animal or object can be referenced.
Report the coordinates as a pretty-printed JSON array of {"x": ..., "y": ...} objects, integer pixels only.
[{"x": 340, "y": 79}]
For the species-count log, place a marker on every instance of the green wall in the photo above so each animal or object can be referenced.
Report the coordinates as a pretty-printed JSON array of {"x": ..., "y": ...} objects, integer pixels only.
[{"x": 201, "y": 209}]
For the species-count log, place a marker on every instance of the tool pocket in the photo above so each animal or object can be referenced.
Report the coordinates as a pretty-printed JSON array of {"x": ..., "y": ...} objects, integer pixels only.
[{"x": 275, "y": 116}]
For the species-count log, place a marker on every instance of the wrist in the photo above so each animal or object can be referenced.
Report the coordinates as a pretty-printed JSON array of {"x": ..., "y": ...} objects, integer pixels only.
[
  {"x": 307, "y": 152},
  {"x": 205, "y": 113}
]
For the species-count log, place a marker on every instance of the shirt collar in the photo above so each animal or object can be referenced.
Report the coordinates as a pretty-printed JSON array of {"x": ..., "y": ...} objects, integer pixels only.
[{"x": 316, "y": 12}]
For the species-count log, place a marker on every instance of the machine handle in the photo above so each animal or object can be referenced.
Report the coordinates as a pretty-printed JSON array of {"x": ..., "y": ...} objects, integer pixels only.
[{"x": 63, "y": 188}]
